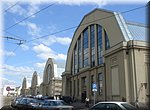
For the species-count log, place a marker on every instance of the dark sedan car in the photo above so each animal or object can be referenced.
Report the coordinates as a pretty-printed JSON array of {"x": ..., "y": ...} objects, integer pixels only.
[
  {"x": 15, "y": 101},
  {"x": 112, "y": 106},
  {"x": 67, "y": 99},
  {"x": 27, "y": 104}
]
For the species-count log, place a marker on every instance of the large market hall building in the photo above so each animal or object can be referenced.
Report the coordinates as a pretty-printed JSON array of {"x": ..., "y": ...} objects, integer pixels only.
[{"x": 111, "y": 52}]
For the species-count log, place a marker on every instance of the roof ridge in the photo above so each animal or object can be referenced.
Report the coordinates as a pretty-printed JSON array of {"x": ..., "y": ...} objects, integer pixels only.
[{"x": 136, "y": 23}]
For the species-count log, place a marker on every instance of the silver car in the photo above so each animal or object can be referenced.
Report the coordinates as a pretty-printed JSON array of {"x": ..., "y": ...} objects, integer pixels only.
[
  {"x": 113, "y": 106},
  {"x": 54, "y": 105},
  {"x": 27, "y": 104}
]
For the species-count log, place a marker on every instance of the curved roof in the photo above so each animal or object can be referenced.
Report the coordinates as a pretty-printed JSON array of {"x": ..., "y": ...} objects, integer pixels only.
[
  {"x": 117, "y": 30},
  {"x": 138, "y": 31}
]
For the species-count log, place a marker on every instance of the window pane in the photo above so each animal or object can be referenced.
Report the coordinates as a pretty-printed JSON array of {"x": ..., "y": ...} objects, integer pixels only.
[
  {"x": 99, "y": 107},
  {"x": 99, "y": 43},
  {"x": 113, "y": 107},
  {"x": 129, "y": 107},
  {"x": 92, "y": 37},
  {"x": 75, "y": 59},
  {"x": 85, "y": 47},
  {"x": 107, "y": 44},
  {"x": 100, "y": 80}
]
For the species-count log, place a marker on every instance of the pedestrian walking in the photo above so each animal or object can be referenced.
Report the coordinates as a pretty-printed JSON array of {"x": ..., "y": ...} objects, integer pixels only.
[{"x": 87, "y": 102}]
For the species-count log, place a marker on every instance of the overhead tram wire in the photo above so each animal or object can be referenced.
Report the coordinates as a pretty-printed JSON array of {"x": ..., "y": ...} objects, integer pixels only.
[
  {"x": 15, "y": 39},
  {"x": 86, "y": 23},
  {"x": 14, "y": 35},
  {"x": 30, "y": 16},
  {"x": 11, "y": 6},
  {"x": 83, "y": 24}
]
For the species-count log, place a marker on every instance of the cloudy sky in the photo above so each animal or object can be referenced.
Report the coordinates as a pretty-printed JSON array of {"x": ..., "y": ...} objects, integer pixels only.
[{"x": 45, "y": 28}]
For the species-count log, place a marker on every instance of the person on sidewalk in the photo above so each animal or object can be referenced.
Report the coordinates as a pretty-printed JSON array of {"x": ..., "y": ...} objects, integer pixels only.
[{"x": 87, "y": 102}]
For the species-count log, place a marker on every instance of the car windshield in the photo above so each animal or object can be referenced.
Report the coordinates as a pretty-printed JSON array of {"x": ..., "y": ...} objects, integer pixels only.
[
  {"x": 59, "y": 103},
  {"x": 128, "y": 106},
  {"x": 52, "y": 103},
  {"x": 32, "y": 101}
]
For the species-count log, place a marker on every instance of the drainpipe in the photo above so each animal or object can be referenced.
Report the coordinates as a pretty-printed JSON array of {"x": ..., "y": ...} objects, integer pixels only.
[
  {"x": 134, "y": 72},
  {"x": 105, "y": 80}
]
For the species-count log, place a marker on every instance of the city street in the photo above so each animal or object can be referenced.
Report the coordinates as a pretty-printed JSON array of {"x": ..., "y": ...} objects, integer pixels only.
[{"x": 76, "y": 105}]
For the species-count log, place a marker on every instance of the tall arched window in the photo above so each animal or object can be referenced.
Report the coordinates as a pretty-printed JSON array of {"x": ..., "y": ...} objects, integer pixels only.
[
  {"x": 107, "y": 44},
  {"x": 48, "y": 72},
  {"x": 75, "y": 59},
  {"x": 99, "y": 44},
  {"x": 85, "y": 47},
  {"x": 72, "y": 66},
  {"x": 79, "y": 53},
  {"x": 92, "y": 37}
]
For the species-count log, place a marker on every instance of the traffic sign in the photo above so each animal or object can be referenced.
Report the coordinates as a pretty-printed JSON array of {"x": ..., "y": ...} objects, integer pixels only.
[
  {"x": 8, "y": 88},
  {"x": 94, "y": 87}
]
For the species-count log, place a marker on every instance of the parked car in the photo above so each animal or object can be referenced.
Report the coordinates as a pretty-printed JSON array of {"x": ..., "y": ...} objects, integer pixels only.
[
  {"x": 27, "y": 104},
  {"x": 15, "y": 101},
  {"x": 113, "y": 106},
  {"x": 54, "y": 105},
  {"x": 44, "y": 97},
  {"x": 67, "y": 99}
]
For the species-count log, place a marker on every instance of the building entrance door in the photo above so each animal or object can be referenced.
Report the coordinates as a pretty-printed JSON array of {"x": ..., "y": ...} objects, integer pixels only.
[
  {"x": 47, "y": 91},
  {"x": 83, "y": 96}
]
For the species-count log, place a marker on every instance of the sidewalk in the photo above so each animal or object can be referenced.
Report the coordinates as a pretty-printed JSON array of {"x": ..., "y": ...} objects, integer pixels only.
[{"x": 80, "y": 106}]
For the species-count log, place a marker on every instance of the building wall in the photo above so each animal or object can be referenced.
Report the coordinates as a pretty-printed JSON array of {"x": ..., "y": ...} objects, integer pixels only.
[
  {"x": 51, "y": 85},
  {"x": 140, "y": 52},
  {"x": 124, "y": 68}
]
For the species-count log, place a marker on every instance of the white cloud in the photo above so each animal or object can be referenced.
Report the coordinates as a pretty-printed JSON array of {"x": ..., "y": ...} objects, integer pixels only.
[
  {"x": 21, "y": 70},
  {"x": 63, "y": 40},
  {"x": 61, "y": 56},
  {"x": 7, "y": 53},
  {"x": 60, "y": 71},
  {"x": 32, "y": 8},
  {"x": 24, "y": 47},
  {"x": 126, "y": 1},
  {"x": 32, "y": 28},
  {"x": 5, "y": 81},
  {"x": 42, "y": 49},
  {"x": 40, "y": 65},
  {"x": 45, "y": 52},
  {"x": 54, "y": 39},
  {"x": 19, "y": 9},
  {"x": 61, "y": 64},
  {"x": 52, "y": 55},
  {"x": 35, "y": 31},
  {"x": 100, "y": 3}
]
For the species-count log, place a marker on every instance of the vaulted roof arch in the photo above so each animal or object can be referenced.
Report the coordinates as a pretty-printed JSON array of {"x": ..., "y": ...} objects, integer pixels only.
[{"x": 112, "y": 22}]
